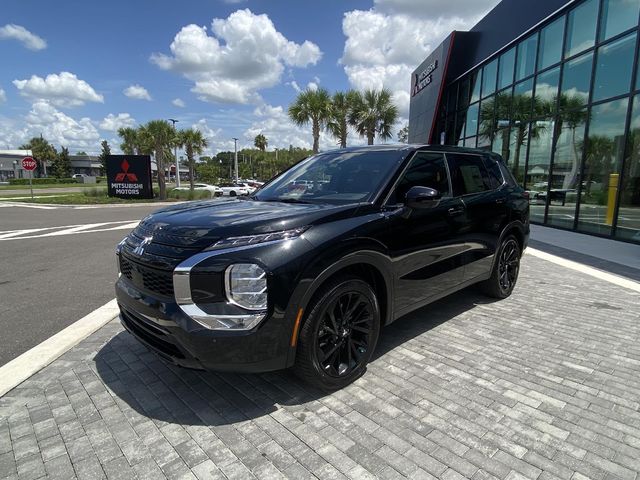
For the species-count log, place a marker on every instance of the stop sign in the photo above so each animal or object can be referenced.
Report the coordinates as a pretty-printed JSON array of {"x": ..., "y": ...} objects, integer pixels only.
[{"x": 28, "y": 163}]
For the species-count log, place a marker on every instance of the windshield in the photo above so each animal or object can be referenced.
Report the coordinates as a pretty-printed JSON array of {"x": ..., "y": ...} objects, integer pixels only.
[{"x": 333, "y": 177}]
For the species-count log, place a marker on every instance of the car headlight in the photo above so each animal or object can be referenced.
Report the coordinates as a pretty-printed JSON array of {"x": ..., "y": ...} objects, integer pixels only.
[
  {"x": 231, "y": 242},
  {"x": 246, "y": 286}
]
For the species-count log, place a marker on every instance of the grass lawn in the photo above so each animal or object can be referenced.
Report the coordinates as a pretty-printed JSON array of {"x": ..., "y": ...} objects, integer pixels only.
[
  {"x": 48, "y": 186},
  {"x": 98, "y": 196}
]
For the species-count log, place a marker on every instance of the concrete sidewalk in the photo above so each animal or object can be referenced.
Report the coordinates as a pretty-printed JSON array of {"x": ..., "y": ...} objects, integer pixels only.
[{"x": 543, "y": 385}]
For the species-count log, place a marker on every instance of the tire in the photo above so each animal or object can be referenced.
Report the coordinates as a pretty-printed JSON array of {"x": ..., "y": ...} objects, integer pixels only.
[
  {"x": 505, "y": 270},
  {"x": 232, "y": 194},
  {"x": 339, "y": 334}
]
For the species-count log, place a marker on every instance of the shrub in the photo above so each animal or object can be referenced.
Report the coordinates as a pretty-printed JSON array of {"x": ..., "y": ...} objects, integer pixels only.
[{"x": 40, "y": 181}]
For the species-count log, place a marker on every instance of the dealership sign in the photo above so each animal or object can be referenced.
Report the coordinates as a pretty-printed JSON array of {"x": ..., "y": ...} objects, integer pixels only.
[
  {"x": 129, "y": 176},
  {"x": 424, "y": 78}
]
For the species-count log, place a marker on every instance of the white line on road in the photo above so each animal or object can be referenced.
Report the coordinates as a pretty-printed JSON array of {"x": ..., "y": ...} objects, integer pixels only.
[
  {"x": 19, "y": 369},
  {"x": 68, "y": 230},
  {"x": 579, "y": 267}
]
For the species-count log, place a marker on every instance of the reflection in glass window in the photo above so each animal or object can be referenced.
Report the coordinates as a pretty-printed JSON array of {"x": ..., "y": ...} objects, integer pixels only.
[
  {"x": 486, "y": 122},
  {"x": 489, "y": 74},
  {"x": 567, "y": 159},
  {"x": 550, "y": 48},
  {"x": 618, "y": 16},
  {"x": 629, "y": 210},
  {"x": 526, "y": 57},
  {"x": 460, "y": 121},
  {"x": 576, "y": 79},
  {"x": 613, "y": 68},
  {"x": 522, "y": 99},
  {"x": 537, "y": 175},
  {"x": 475, "y": 86},
  {"x": 505, "y": 71},
  {"x": 518, "y": 148},
  {"x": 581, "y": 28},
  {"x": 472, "y": 120},
  {"x": 547, "y": 91},
  {"x": 463, "y": 93},
  {"x": 603, "y": 159}
]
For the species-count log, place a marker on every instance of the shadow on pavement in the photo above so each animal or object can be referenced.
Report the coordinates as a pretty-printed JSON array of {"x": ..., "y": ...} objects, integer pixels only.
[{"x": 165, "y": 392}]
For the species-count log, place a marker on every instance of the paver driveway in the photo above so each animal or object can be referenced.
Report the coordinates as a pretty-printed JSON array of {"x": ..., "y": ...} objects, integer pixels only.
[{"x": 545, "y": 384}]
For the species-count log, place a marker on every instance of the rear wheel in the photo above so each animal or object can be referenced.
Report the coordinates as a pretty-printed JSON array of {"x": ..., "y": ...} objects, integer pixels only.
[
  {"x": 339, "y": 334},
  {"x": 232, "y": 194},
  {"x": 505, "y": 270}
]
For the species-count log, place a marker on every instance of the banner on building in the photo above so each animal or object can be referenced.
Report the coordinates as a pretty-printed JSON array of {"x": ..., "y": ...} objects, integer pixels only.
[{"x": 129, "y": 176}]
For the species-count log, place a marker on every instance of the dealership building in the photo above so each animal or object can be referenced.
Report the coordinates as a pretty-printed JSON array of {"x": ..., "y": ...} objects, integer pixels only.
[{"x": 554, "y": 87}]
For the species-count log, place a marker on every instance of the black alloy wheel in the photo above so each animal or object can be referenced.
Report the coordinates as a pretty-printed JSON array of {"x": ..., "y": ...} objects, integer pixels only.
[
  {"x": 505, "y": 270},
  {"x": 339, "y": 334}
]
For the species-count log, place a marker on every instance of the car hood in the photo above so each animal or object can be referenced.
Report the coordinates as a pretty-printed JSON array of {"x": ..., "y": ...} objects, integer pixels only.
[{"x": 196, "y": 225}]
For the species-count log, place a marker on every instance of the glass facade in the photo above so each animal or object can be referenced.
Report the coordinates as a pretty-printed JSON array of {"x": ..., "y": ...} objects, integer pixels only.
[{"x": 562, "y": 107}]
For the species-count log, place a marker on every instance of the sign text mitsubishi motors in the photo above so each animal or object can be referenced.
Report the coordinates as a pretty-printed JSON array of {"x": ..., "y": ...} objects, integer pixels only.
[{"x": 129, "y": 176}]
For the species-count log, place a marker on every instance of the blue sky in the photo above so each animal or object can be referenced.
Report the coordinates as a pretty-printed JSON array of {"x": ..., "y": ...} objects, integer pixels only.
[{"x": 229, "y": 68}]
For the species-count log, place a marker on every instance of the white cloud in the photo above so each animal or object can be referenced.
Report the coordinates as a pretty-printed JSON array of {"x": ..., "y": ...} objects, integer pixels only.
[
  {"x": 244, "y": 54},
  {"x": 61, "y": 90},
  {"x": 385, "y": 44},
  {"x": 295, "y": 86},
  {"x": 178, "y": 102},
  {"x": 3, "y": 96},
  {"x": 113, "y": 122},
  {"x": 57, "y": 127},
  {"x": 313, "y": 86},
  {"x": 137, "y": 92},
  {"x": 24, "y": 36}
]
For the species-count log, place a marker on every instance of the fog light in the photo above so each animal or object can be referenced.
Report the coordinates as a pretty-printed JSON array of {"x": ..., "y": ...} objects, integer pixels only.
[{"x": 246, "y": 286}]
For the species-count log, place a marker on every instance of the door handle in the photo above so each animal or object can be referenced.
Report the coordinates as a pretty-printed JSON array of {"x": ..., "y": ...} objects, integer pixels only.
[
  {"x": 499, "y": 201},
  {"x": 455, "y": 211}
]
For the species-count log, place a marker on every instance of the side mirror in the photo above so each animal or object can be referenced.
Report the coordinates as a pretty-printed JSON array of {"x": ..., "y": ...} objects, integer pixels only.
[{"x": 422, "y": 197}]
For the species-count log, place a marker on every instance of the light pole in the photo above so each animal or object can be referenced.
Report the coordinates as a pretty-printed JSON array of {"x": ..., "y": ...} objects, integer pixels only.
[
  {"x": 175, "y": 152},
  {"x": 235, "y": 159}
]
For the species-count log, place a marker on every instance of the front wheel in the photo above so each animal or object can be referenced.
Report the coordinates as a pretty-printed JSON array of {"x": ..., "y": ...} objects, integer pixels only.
[
  {"x": 505, "y": 270},
  {"x": 339, "y": 334}
]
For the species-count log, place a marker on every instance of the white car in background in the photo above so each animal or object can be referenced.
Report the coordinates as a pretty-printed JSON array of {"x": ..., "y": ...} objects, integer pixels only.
[
  {"x": 214, "y": 190},
  {"x": 233, "y": 189}
]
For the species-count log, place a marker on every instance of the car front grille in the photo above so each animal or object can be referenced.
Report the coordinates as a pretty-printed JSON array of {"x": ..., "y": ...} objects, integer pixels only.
[{"x": 153, "y": 280}]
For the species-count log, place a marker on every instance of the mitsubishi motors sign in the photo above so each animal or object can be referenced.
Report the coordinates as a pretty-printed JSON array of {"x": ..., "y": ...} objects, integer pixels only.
[{"x": 129, "y": 176}]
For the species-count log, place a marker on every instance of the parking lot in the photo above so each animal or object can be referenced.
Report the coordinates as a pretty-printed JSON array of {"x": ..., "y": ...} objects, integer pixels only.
[{"x": 543, "y": 385}]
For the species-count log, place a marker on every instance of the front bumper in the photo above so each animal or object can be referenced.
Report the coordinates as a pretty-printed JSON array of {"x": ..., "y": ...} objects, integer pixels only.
[{"x": 164, "y": 328}]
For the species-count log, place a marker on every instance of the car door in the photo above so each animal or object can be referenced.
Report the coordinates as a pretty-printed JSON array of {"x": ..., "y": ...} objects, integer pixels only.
[
  {"x": 485, "y": 211},
  {"x": 424, "y": 244}
]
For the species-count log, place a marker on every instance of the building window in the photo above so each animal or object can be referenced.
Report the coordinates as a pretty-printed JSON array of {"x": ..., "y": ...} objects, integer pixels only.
[
  {"x": 581, "y": 28},
  {"x": 505, "y": 71},
  {"x": 538, "y": 165},
  {"x": 475, "y": 85},
  {"x": 550, "y": 48},
  {"x": 618, "y": 16},
  {"x": 463, "y": 93},
  {"x": 628, "y": 226},
  {"x": 526, "y": 63},
  {"x": 603, "y": 159},
  {"x": 472, "y": 120},
  {"x": 613, "y": 68},
  {"x": 546, "y": 91},
  {"x": 522, "y": 99},
  {"x": 567, "y": 159},
  {"x": 489, "y": 74},
  {"x": 576, "y": 80}
]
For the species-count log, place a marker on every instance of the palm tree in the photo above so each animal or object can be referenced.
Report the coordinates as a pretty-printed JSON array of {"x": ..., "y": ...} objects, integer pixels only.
[
  {"x": 161, "y": 136},
  {"x": 193, "y": 143},
  {"x": 373, "y": 113},
  {"x": 130, "y": 141},
  {"x": 341, "y": 106},
  {"x": 312, "y": 106},
  {"x": 42, "y": 151},
  {"x": 261, "y": 142}
]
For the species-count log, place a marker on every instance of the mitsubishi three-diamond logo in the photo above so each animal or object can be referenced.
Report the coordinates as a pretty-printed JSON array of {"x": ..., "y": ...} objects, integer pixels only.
[{"x": 130, "y": 177}]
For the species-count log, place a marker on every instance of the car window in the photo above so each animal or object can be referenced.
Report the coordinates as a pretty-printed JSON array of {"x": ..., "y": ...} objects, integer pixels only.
[
  {"x": 495, "y": 175},
  {"x": 468, "y": 174},
  {"x": 427, "y": 169}
]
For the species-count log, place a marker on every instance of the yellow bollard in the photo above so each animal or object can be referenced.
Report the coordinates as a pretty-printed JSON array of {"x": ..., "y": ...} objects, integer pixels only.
[{"x": 611, "y": 201}]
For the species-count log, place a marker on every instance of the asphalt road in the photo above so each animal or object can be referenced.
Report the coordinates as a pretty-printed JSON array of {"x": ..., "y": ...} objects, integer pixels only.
[{"x": 50, "y": 276}]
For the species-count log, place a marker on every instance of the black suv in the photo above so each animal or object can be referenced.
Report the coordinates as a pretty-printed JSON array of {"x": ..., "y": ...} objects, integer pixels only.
[{"x": 307, "y": 270}]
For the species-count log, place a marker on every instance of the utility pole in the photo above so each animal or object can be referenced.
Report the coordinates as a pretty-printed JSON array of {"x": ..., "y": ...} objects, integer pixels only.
[
  {"x": 175, "y": 152},
  {"x": 235, "y": 160}
]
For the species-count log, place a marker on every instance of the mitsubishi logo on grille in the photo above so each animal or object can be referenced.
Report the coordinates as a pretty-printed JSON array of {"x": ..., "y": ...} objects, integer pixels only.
[
  {"x": 130, "y": 177},
  {"x": 139, "y": 250}
]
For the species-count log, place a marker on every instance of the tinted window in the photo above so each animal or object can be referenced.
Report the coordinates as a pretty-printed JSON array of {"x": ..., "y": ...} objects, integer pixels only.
[
  {"x": 575, "y": 81},
  {"x": 489, "y": 78},
  {"x": 581, "y": 29},
  {"x": 613, "y": 68},
  {"x": 618, "y": 16},
  {"x": 468, "y": 174},
  {"x": 526, "y": 57},
  {"x": 495, "y": 175},
  {"x": 505, "y": 75},
  {"x": 427, "y": 169},
  {"x": 550, "y": 46}
]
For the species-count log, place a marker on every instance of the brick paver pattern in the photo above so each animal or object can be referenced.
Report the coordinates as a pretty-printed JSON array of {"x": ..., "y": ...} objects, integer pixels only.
[{"x": 543, "y": 385}]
